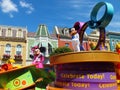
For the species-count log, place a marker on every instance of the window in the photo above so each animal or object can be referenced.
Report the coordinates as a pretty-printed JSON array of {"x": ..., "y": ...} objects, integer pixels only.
[
  {"x": 8, "y": 49},
  {"x": 65, "y": 31},
  {"x": 9, "y": 32},
  {"x": 18, "y": 50},
  {"x": 19, "y": 33},
  {"x": 67, "y": 44},
  {"x": 49, "y": 48}
]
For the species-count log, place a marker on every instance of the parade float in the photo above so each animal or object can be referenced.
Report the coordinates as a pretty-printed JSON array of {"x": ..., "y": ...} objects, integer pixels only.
[
  {"x": 16, "y": 77},
  {"x": 84, "y": 70},
  {"x": 88, "y": 70}
]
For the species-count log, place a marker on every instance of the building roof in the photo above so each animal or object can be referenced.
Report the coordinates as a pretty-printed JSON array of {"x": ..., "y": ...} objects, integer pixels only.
[
  {"x": 95, "y": 33},
  {"x": 42, "y": 31},
  {"x": 63, "y": 32},
  {"x": 53, "y": 36},
  {"x": 31, "y": 34},
  {"x": 14, "y": 27},
  {"x": 113, "y": 33}
]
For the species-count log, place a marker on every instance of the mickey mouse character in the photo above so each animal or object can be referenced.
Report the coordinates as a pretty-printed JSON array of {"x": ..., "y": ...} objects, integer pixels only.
[
  {"x": 75, "y": 39},
  {"x": 37, "y": 55}
]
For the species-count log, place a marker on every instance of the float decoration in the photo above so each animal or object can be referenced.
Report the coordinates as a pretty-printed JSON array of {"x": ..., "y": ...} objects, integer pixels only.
[
  {"x": 24, "y": 78},
  {"x": 88, "y": 70},
  {"x": 98, "y": 24},
  {"x": 118, "y": 47},
  {"x": 16, "y": 77},
  {"x": 8, "y": 65},
  {"x": 118, "y": 64}
]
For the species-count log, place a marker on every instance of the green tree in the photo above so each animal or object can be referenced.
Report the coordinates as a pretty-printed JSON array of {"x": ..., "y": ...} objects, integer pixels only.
[{"x": 61, "y": 50}]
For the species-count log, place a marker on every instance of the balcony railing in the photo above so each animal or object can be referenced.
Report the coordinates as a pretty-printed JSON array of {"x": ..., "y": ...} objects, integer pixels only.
[
  {"x": 6, "y": 57},
  {"x": 18, "y": 58},
  {"x": 17, "y": 39}
]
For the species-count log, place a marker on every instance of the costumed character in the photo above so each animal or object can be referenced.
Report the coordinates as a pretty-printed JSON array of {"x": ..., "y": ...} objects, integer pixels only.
[
  {"x": 118, "y": 47},
  {"x": 118, "y": 64},
  {"x": 48, "y": 76},
  {"x": 78, "y": 26},
  {"x": 101, "y": 47},
  {"x": 75, "y": 39},
  {"x": 37, "y": 55},
  {"x": 92, "y": 45}
]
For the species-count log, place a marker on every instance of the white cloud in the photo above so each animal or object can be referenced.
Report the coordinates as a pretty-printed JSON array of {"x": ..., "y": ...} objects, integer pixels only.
[
  {"x": 28, "y": 6},
  {"x": 80, "y": 8},
  {"x": 8, "y": 6},
  {"x": 81, "y": 4}
]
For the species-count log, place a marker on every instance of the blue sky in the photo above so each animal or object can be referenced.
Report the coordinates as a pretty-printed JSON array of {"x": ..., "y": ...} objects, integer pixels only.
[{"x": 63, "y": 13}]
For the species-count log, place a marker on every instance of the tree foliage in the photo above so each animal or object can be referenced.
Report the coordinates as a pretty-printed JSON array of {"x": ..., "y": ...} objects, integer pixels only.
[{"x": 61, "y": 50}]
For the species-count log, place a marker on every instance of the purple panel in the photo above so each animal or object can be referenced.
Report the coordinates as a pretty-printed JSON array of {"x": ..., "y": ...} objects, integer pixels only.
[
  {"x": 83, "y": 76},
  {"x": 86, "y": 76},
  {"x": 86, "y": 86}
]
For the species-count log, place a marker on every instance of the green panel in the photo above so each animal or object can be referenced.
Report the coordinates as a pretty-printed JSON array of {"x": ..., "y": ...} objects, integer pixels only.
[
  {"x": 43, "y": 31},
  {"x": 3, "y": 80},
  {"x": 26, "y": 76},
  {"x": 19, "y": 78},
  {"x": 21, "y": 81}
]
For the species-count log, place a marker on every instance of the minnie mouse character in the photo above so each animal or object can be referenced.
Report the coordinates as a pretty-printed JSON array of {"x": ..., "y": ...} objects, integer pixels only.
[{"x": 37, "y": 55}]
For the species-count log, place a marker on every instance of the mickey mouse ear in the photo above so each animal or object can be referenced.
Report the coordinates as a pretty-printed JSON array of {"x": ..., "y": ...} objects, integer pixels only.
[
  {"x": 71, "y": 29},
  {"x": 42, "y": 49},
  {"x": 39, "y": 45}
]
